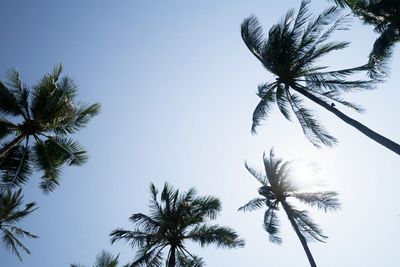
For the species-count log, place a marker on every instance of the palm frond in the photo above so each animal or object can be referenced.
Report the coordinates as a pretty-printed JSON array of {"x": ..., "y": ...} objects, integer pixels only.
[
  {"x": 135, "y": 238},
  {"x": 283, "y": 101},
  {"x": 207, "y": 207},
  {"x": 268, "y": 97},
  {"x": 184, "y": 260},
  {"x": 78, "y": 118},
  {"x": 306, "y": 225},
  {"x": 214, "y": 234},
  {"x": 271, "y": 225},
  {"x": 252, "y": 36},
  {"x": 382, "y": 52},
  {"x": 312, "y": 129},
  {"x": 15, "y": 168},
  {"x": 66, "y": 150},
  {"x": 8, "y": 102},
  {"x": 10, "y": 214},
  {"x": 258, "y": 175},
  {"x": 48, "y": 159},
  {"x": 326, "y": 201},
  {"x": 253, "y": 204},
  {"x": 106, "y": 259},
  {"x": 144, "y": 222},
  {"x": 335, "y": 97},
  {"x": 341, "y": 3},
  {"x": 148, "y": 257}
]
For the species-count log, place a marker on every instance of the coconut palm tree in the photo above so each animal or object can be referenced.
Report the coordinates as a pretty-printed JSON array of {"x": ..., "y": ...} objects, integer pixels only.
[
  {"x": 276, "y": 191},
  {"x": 11, "y": 213},
  {"x": 34, "y": 128},
  {"x": 176, "y": 218},
  {"x": 104, "y": 259},
  {"x": 384, "y": 15},
  {"x": 290, "y": 53}
]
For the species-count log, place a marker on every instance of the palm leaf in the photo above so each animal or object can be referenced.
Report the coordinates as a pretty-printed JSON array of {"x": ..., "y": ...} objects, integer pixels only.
[
  {"x": 271, "y": 225},
  {"x": 311, "y": 127},
  {"x": 326, "y": 201},
  {"x": 214, "y": 234},
  {"x": 253, "y": 204}
]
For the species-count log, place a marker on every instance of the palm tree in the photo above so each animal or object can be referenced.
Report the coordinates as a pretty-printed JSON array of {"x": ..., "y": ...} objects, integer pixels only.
[
  {"x": 104, "y": 259},
  {"x": 177, "y": 218},
  {"x": 276, "y": 191},
  {"x": 10, "y": 214},
  {"x": 384, "y": 15},
  {"x": 290, "y": 52},
  {"x": 34, "y": 128}
]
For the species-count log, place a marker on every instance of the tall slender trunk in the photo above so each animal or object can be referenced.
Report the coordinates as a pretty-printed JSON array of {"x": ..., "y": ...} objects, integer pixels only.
[
  {"x": 4, "y": 151},
  {"x": 172, "y": 260},
  {"x": 389, "y": 144},
  {"x": 299, "y": 234}
]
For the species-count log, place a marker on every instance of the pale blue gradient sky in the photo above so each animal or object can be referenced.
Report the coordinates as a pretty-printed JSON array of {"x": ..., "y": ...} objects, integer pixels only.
[{"x": 177, "y": 86}]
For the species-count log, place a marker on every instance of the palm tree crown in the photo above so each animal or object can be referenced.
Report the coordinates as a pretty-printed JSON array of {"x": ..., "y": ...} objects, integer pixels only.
[
  {"x": 177, "y": 218},
  {"x": 290, "y": 53},
  {"x": 11, "y": 213},
  {"x": 104, "y": 259},
  {"x": 34, "y": 128},
  {"x": 277, "y": 190}
]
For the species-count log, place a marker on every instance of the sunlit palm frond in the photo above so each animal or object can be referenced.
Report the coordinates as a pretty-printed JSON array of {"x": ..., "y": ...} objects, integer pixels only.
[{"x": 326, "y": 201}]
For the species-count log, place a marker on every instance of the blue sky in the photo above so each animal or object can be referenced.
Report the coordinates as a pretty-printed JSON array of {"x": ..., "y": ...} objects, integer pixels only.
[{"x": 177, "y": 87}]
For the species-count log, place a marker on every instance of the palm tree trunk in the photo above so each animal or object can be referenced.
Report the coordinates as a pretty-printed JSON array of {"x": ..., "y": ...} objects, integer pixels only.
[
  {"x": 389, "y": 144},
  {"x": 4, "y": 151},
  {"x": 171, "y": 259},
  {"x": 299, "y": 234}
]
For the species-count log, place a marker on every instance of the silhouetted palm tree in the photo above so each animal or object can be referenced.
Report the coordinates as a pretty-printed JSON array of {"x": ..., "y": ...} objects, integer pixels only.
[
  {"x": 384, "y": 15},
  {"x": 11, "y": 213},
  {"x": 276, "y": 191},
  {"x": 104, "y": 259},
  {"x": 34, "y": 128},
  {"x": 177, "y": 218},
  {"x": 290, "y": 53}
]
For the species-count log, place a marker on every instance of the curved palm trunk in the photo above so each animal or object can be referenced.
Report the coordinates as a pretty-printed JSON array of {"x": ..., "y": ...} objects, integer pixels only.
[
  {"x": 299, "y": 234},
  {"x": 389, "y": 144},
  {"x": 171, "y": 259},
  {"x": 4, "y": 151}
]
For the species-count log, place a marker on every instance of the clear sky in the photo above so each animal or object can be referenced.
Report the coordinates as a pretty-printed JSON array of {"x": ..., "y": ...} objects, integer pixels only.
[{"x": 177, "y": 86}]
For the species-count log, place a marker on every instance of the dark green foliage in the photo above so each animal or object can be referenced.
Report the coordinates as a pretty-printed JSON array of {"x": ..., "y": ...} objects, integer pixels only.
[
  {"x": 175, "y": 218},
  {"x": 277, "y": 190},
  {"x": 291, "y": 52},
  {"x": 34, "y": 128},
  {"x": 11, "y": 214}
]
